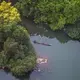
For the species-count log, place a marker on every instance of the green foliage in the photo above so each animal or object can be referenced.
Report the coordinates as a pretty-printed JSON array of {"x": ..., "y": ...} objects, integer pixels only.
[
  {"x": 3, "y": 59},
  {"x": 56, "y": 13},
  {"x": 23, "y": 6},
  {"x": 25, "y": 65},
  {"x": 16, "y": 51},
  {"x": 73, "y": 30},
  {"x": 8, "y": 13},
  {"x": 50, "y": 13},
  {"x": 21, "y": 35}
]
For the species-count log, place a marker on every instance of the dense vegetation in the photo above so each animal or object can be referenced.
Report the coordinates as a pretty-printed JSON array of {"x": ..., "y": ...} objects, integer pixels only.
[
  {"x": 16, "y": 51},
  {"x": 73, "y": 30},
  {"x": 55, "y": 13}
]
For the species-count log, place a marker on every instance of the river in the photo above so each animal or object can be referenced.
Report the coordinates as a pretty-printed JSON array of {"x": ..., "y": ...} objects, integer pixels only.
[{"x": 63, "y": 56}]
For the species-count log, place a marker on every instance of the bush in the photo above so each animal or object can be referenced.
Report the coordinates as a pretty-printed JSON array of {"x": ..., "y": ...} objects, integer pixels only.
[{"x": 16, "y": 51}]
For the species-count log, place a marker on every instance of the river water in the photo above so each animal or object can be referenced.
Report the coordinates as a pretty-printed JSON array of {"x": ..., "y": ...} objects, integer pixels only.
[{"x": 63, "y": 56}]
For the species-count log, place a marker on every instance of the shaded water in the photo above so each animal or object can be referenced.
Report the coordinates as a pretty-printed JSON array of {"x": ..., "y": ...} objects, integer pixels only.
[{"x": 63, "y": 56}]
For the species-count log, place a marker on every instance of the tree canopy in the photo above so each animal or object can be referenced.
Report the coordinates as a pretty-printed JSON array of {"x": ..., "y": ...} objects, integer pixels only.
[
  {"x": 8, "y": 13},
  {"x": 16, "y": 50},
  {"x": 55, "y": 13}
]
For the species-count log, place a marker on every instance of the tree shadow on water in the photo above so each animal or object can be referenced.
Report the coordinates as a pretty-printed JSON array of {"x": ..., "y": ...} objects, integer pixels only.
[
  {"x": 25, "y": 77},
  {"x": 44, "y": 30}
]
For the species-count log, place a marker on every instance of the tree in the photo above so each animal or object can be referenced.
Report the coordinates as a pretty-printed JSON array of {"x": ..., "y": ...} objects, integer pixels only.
[
  {"x": 16, "y": 52},
  {"x": 8, "y": 14}
]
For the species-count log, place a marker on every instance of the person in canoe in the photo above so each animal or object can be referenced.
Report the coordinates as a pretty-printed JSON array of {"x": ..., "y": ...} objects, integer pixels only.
[{"x": 41, "y": 43}]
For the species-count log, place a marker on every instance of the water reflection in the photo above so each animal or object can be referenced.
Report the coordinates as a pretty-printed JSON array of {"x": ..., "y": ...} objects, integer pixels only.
[
  {"x": 5, "y": 75},
  {"x": 26, "y": 77},
  {"x": 43, "y": 30},
  {"x": 63, "y": 60}
]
